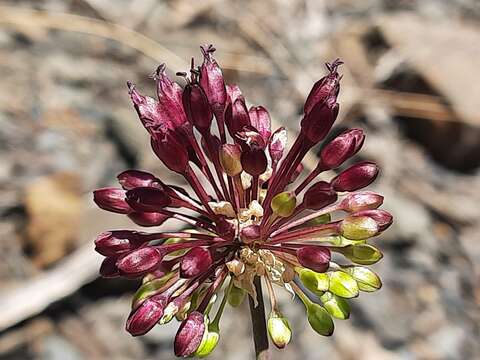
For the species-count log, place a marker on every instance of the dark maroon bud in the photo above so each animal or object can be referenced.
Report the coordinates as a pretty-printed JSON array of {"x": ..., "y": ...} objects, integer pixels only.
[
  {"x": 189, "y": 335},
  {"x": 111, "y": 199},
  {"x": 211, "y": 79},
  {"x": 108, "y": 268},
  {"x": 142, "y": 319},
  {"x": 325, "y": 88},
  {"x": 362, "y": 200},
  {"x": 148, "y": 218},
  {"x": 250, "y": 138},
  {"x": 359, "y": 140},
  {"x": 316, "y": 258},
  {"x": 118, "y": 242},
  {"x": 277, "y": 144},
  {"x": 296, "y": 173},
  {"x": 254, "y": 162},
  {"x": 317, "y": 123},
  {"x": 147, "y": 199},
  {"x": 148, "y": 110},
  {"x": 236, "y": 117},
  {"x": 356, "y": 176},
  {"x": 260, "y": 120},
  {"x": 234, "y": 93},
  {"x": 383, "y": 218},
  {"x": 250, "y": 233},
  {"x": 341, "y": 148},
  {"x": 195, "y": 262},
  {"x": 140, "y": 261},
  {"x": 130, "y": 179},
  {"x": 225, "y": 229},
  {"x": 172, "y": 153},
  {"x": 319, "y": 195},
  {"x": 196, "y": 107}
]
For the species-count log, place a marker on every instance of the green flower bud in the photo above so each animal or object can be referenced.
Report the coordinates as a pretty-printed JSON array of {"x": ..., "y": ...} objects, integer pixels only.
[
  {"x": 236, "y": 296},
  {"x": 319, "y": 319},
  {"x": 149, "y": 289},
  {"x": 313, "y": 281},
  {"x": 283, "y": 204},
  {"x": 358, "y": 228},
  {"x": 342, "y": 284},
  {"x": 320, "y": 220},
  {"x": 229, "y": 156},
  {"x": 209, "y": 341},
  {"x": 279, "y": 330},
  {"x": 336, "y": 306},
  {"x": 363, "y": 254},
  {"x": 366, "y": 279}
]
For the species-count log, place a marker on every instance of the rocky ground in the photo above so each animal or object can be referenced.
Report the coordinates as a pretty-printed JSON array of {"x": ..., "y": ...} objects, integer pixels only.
[{"x": 411, "y": 80}]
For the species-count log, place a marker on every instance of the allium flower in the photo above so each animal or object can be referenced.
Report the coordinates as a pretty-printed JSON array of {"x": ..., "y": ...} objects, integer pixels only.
[{"x": 251, "y": 213}]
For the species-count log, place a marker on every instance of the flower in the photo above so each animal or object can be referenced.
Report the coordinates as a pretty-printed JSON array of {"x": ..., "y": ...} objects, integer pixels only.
[{"x": 249, "y": 214}]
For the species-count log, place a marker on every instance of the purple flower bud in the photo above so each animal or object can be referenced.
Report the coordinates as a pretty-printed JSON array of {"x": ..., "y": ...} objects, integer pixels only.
[
  {"x": 130, "y": 179},
  {"x": 140, "y": 262},
  {"x": 195, "y": 262},
  {"x": 108, "y": 268},
  {"x": 363, "y": 200},
  {"x": 234, "y": 93},
  {"x": 117, "y": 242},
  {"x": 111, "y": 199},
  {"x": 172, "y": 153},
  {"x": 250, "y": 233},
  {"x": 341, "y": 148},
  {"x": 383, "y": 218},
  {"x": 319, "y": 195},
  {"x": 317, "y": 123},
  {"x": 254, "y": 161},
  {"x": 196, "y": 106},
  {"x": 325, "y": 88},
  {"x": 189, "y": 334},
  {"x": 356, "y": 176},
  {"x": 147, "y": 199},
  {"x": 142, "y": 319},
  {"x": 260, "y": 120},
  {"x": 148, "y": 218},
  {"x": 211, "y": 79},
  {"x": 236, "y": 117},
  {"x": 316, "y": 258},
  {"x": 278, "y": 142}
]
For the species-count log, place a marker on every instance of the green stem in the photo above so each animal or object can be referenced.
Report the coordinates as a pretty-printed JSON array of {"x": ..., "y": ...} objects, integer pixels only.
[{"x": 259, "y": 324}]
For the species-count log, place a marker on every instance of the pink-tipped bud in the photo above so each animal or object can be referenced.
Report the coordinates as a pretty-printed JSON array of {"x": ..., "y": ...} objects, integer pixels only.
[
  {"x": 317, "y": 123},
  {"x": 142, "y": 319},
  {"x": 250, "y": 233},
  {"x": 147, "y": 199},
  {"x": 108, "y": 268},
  {"x": 117, "y": 242},
  {"x": 356, "y": 176},
  {"x": 319, "y": 195},
  {"x": 254, "y": 161},
  {"x": 341, "y": 148},
  {"x": 111, "y": 199},
  {"x": 316, "y": 258},
  {"x": 172, "y": 152},
  {"x": 140, "y": 262},
  {"x": 189, "y": 335},
  {"x": 362, "y": 200},
  {"x": 236, "y": 117},
  {"x": 234, "y": 93},
  {"x": 229, "y": 156},
  {"x": 195, "y": 262},
  {"x": 148, "y": 219},
  {"x": 196, "y": 107},
  {"x": 211, "y": 79},
  {"x": 383, "y": 218},
  {"x": 277, "y": 144},
  {"x": 130, "y": 179},
  {"x": 260, "y": 120}
]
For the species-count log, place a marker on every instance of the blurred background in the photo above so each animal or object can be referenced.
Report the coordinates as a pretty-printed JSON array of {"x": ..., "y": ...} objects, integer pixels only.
[{"x": 411, "y": 81}]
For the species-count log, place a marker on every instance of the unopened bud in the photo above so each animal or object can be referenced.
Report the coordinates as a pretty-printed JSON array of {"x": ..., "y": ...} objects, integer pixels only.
[
  {"x": 146, "y": 316},
  {"x": 358, "y": 227},
  {"x": 337, "y": 306},
  {"x": 260, "y": 120},
  {"x": 254, "y": 161},
  {"x": 316, "y": 258},
  {"x": 209, "y": 342},
  {"x": 111, "y": 199},
  {"x": 356, "y": 176},
  {"x": 117, "y": 242},
  {"x": 130, "y": 179},
  {"x": 317, "y": 123},
  {"x": 279, "y": 330},
  {"x": 196, "y": 107},
  {"x": 319, "y": 195},
  {"x": 320, "y": 220},
  {"x": 366, "y": 279},
  {"x": 148, "y": 218},
  {"x": 283, "y": 204},
  {"x": 314, "y": 281},
  {"x": 211, "y": 78},
  {"x": 147, "y": 199},
  {"x": 341, "y": 148},
  {"x": 236, "y": 117},
  {"x": 195, "y": 262},
  {"x": 229, "y": 156},
  {"x": 342, "y": 284},
  {"x": 140, "y": 262},
  {"x": 363, "y": 200},
  {"x": 363, "y": 254},
  {"x": 109, "y": 268},
  {"x": 171, "y": 152},
  {"x": 189, "y": 335},
  {"x": 277, "y": 144},
  {"x": 383, "y": 218},
  {"x": 319, "y": 319}
]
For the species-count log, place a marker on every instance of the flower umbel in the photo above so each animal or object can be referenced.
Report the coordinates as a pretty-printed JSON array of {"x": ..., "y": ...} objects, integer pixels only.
[{"x": 250, "y": 214}]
